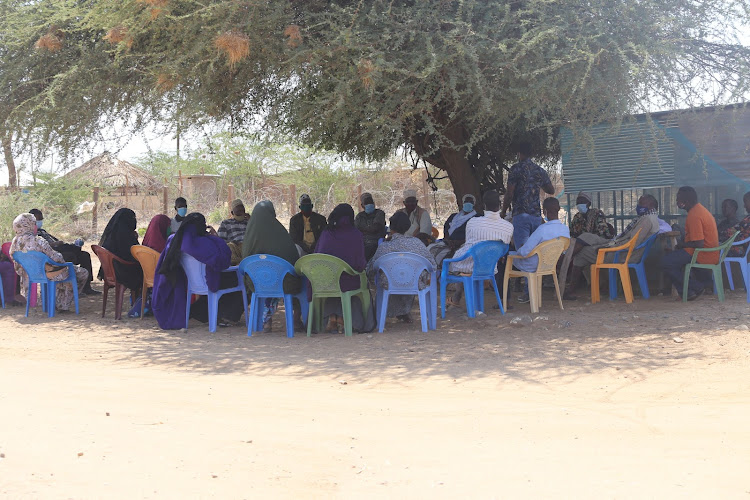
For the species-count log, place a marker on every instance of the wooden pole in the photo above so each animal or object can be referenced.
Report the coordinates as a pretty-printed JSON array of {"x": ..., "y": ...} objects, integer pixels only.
[
  {"x": 293, "y": 202},
  {"x": 180, "y": 174},
  {"x": 95, "y": 211},
  {"x": 359, "y": 197},
  {"x": 165, "y": 198}
]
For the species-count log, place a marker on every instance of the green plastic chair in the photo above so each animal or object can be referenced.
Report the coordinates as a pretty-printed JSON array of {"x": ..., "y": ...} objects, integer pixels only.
[
  {"x": 723, "y": 250},
  {"x": 324, "y": 272}
]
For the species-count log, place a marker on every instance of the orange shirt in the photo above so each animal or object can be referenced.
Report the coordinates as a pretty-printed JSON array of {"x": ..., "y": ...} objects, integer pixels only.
[{"x": 701, "y": 225}]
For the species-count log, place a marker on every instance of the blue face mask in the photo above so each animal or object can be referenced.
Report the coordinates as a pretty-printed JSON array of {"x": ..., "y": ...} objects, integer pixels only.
[
  {"x": 582, "y": 207},
  {"x": 641, "y": 210},
  {"x": 39, "y": 224},
  {"x": 182, "y": 211},
  {"x": 369, "y": 208},
  {"x": 468, "y": 207}
]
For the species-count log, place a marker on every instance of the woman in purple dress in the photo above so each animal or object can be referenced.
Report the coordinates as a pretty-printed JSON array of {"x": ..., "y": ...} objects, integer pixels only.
[
  {"x": 341, "y": 239},
  {"x": 170, "y": 282}
]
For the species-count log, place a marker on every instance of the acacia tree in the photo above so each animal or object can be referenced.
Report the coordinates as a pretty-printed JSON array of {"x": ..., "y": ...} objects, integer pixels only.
[{"x": 459, "y": 83}]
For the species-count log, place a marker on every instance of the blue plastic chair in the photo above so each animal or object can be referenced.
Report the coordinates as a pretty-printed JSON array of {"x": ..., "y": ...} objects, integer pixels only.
[
  {"x": 485, "y": 255},
  {"x": 267, "y": 273},
  {"x": 402, "y": 270},
  {"x": 744, "y": 267},
  {"x": 640, "y": 269},
  {"x": 196, "y": 277},
  {"x": 33, "y": 263}
]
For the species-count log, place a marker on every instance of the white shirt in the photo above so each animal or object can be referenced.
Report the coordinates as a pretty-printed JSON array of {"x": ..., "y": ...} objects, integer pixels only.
[
  {"x": 547, "y": 231},
  {"x": 491, "y": 227}
]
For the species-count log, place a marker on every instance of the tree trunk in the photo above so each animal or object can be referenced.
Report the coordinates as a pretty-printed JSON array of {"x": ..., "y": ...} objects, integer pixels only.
[{"x": 12, "y": 178}]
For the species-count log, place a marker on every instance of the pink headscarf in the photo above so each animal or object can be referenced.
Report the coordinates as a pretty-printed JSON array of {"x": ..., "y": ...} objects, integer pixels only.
[{"x": 156, "y": 234}]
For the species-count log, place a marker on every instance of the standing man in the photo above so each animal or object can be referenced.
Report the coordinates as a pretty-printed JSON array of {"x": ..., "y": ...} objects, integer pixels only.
[
  {"x": 550, "y": 230},
  {"x": 371, "y": 223},
  {"x": 418, "y": 216},
  {"x": 232, "y": 230},
  {"x": 180, "y": 206},
  {"x": 71, "y": 253},
  {"x": 306, "y": 226},
  {"x": 700, "y": 232}
]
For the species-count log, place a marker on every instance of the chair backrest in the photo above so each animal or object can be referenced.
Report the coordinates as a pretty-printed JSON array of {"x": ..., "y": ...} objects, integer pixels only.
[
  {"x": 33, "y": 263},
  {"x": 724, "y": 247},
  {"x": 323, "y": 271},
  {"x": 646, "y": 246},
  {"x": 629, "y": 246},
  {"x": 485, "y": 255},
  {"x": 549, "y": 253},
  {"x": 196, "y": 274},
  {"x": 147, "y": 258},
  {"x": 105, "y": 259},
  {"x": 267, "y": 273},
  {"x": 402, "y": 269},
  {"x": 6, "y": 249}
]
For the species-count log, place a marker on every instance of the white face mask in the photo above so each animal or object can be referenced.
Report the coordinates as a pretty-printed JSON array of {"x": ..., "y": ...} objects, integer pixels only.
[{"x": 582, "y": 207}]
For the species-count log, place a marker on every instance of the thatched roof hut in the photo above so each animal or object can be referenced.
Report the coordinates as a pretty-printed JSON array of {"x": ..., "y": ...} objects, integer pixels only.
[{"x": 111, "y": 173}]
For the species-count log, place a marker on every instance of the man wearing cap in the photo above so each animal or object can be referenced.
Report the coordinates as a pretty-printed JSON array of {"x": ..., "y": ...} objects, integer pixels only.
[
  {"x": 418, "y": 216},
  {"x": 306, "y": 226},
  {"x": 232, "y": 230},
  {"x": 371, "y": 223},
  {"x": 589, "y": 220}
]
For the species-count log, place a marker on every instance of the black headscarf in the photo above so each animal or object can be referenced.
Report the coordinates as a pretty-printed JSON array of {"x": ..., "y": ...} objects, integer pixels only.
[
  {"x": 171, "y": 266},
  {"x": 399, "y": 222},
  {"x": 337, "y": 217},
  {"x": 119, "y": 235},
  {"x": 265, "y": 234}
]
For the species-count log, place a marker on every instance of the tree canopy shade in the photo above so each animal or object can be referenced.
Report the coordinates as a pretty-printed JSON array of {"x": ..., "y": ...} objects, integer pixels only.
[{"x": 459, "y": 83}]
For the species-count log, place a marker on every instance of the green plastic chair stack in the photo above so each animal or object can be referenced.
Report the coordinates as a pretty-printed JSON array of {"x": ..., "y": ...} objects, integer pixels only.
[
  {"x": 723, "y": 250},
  {"x": 324, "y": 271}
]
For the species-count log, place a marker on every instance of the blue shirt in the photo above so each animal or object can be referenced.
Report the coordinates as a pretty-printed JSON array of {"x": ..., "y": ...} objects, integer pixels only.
[
  {"x": 547, "y": 231},
  {"x": 527, "y": 177}
]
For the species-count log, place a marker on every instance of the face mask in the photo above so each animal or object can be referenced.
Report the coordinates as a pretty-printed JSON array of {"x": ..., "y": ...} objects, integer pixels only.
[
  {"x": 182, "y": 211},
  {"x": 306, "y": 209},
  {"x": 239, "y": 217},
  {"x": 641, "y": 210},
  {"x": 681, "y": 206},
  {"x": 468, "y": 207},
  {"x": 39, "y": 224},
  {"x": 369, "y": 208},
  {"x": 582, "y": 207}
]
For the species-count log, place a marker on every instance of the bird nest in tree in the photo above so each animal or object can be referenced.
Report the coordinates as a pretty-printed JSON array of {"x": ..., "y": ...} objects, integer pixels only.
[
  {"x": 235, "y": 45},
  {"x": 118, "y": 34},
  {"x": 51, "y": 42},
  {"x": 165, "y": 82},
  {"x": 293, "y": 35}
]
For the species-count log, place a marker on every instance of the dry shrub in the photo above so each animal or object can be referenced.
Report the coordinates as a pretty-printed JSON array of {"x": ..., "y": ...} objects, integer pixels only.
[
  {"x": 116, "y": 35},
  {"x": 235, "y": 45},
  {"x": 365, "y": 68},
  {"x": 52, "y": 41},
  {"x": 294, "y": 36},
  {"x": 165, "y": 82}
]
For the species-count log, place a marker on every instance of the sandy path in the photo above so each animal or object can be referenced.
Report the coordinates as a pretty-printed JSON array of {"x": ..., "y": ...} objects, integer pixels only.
[{"x": 608, "y": 406}]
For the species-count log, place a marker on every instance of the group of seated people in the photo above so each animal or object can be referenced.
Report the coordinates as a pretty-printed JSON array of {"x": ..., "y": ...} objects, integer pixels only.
[{"x": 360, "y": 241}]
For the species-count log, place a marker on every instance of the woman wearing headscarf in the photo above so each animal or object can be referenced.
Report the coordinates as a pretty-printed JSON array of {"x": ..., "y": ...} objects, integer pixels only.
[
  {"x": 156, "y": 234},
  {"x": 26, "y": 240},
  {"x": 400, "y": 305},
  {"x": 118, "y": 237},
  {"x": 341, "y": 239},
  {"x": 266, "y": 235},
  {"x": 170, "y": 282}
]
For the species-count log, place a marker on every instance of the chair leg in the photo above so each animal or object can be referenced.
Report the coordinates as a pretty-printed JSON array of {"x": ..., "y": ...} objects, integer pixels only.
[
  {"x": 253, "y": 315},
  {"x": 423, "y": 311},
  {"x": 51, "y": 289},
  {"x": 497, "y": 296},
  {"x": 288, "y": 316},
  {"x": 382, "y": 308},
  {"x": 469, "y": 297},
  {"x": 433, "y": 304},
  {"x": 627, "y": 287},
  {"x": 746, "y": 279},
  {"x": 538, "y": 292},
  {"x": 728, "y": 267},
  {"x": 557, "y": 291},
  {"x": 443, "y": 286},
  {"x": 640, "y": 272},
  {"x": 119, "y": 298},
  {"x": 310, "y": 316},
  {"x": 346, "y": 309},
  {"x": 144, "y": 293},
  {"x": 104, "y": 299},
  {"x": 187, "y": 308},
  {"x": 213, "y": 311},
  {"x": 612, "y": 284},
  {"x": 28, "y": 299},
  {"x": 594, "y": 284},
  {"x": 719, "y": 283},
  {"x": 506, "y": 278},
  {"x": 686, "y": 281}
]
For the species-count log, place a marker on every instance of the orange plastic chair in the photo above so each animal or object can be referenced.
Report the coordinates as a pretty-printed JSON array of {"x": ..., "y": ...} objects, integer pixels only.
[
  {"x": 148, "y": 258},
  {"x": 107, "y": 258},
  {"x": 627, "y": 288}
]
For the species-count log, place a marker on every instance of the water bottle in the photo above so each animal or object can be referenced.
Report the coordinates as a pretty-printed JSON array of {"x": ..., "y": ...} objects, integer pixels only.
[{"x": 78, "y": 242}]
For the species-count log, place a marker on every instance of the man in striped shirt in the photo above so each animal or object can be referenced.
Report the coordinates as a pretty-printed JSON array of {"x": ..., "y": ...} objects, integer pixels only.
[{"x": 491, "y": 227}]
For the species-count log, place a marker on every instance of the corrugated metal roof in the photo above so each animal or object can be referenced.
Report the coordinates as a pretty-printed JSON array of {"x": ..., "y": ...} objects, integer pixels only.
[{"x": 633, "y": 155}]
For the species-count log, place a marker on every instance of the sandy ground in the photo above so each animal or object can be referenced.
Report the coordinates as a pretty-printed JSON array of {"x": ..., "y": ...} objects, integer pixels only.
[{"x": 609, "y": 400}]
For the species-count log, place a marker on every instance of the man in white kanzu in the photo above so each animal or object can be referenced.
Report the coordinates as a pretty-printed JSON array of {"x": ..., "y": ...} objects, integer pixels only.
[{"x": 418, "y": 216}]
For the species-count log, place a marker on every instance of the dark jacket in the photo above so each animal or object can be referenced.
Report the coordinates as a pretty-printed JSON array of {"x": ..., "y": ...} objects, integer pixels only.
[{"x": 297, "y": 229}]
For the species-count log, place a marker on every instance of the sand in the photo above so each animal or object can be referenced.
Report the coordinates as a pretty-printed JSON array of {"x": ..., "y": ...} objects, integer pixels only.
[{"x": 609, "y": 400}]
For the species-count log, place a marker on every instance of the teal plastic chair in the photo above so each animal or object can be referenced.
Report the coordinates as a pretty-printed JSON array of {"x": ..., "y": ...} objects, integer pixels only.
[
  {"x": 34, "y": 264},
  {"x": 723, "y": 250},
  {"x": 324, "y": 271}
]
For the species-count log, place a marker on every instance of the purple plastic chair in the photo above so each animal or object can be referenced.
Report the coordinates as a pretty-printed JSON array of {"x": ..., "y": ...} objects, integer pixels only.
[
  {"x": 402, "y": 270},
  {"x": 267, "y": 273},
  {"x": 196, "y": 277}
]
